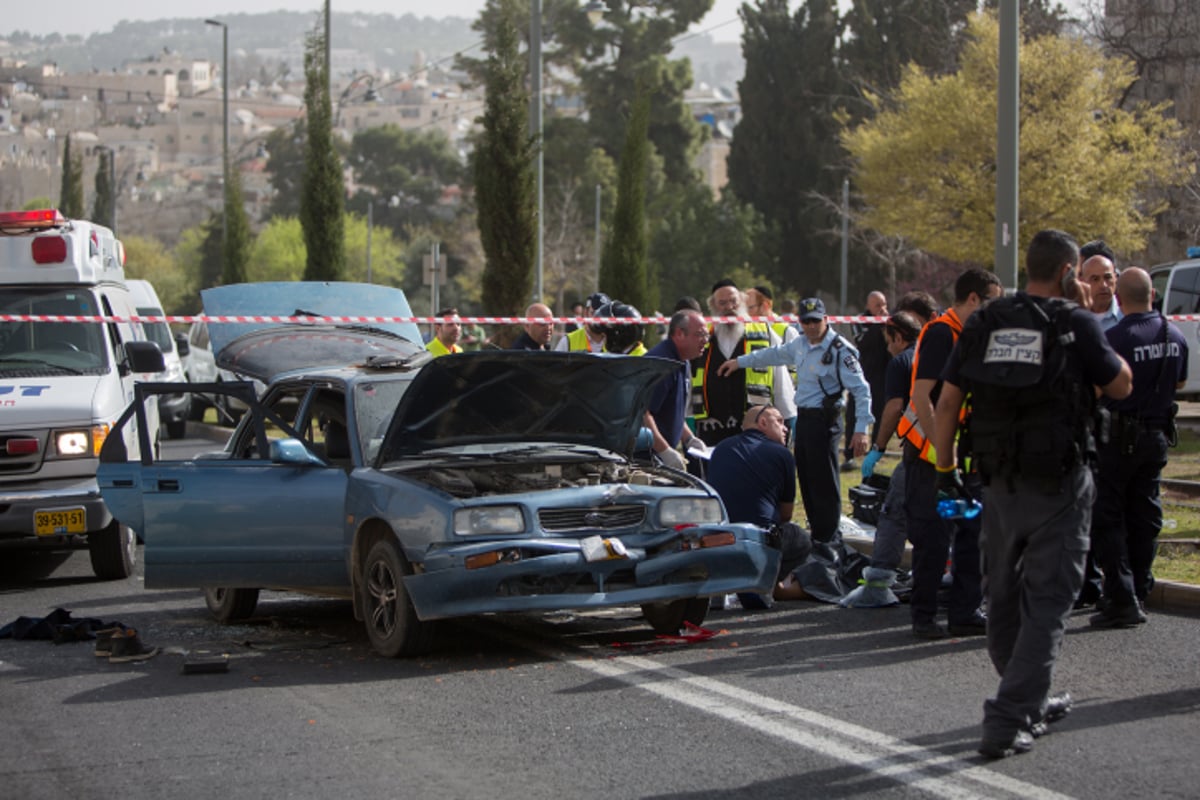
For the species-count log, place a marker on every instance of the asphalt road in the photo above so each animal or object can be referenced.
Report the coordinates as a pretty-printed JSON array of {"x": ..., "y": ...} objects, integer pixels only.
[{"x": 805, "y": 700}]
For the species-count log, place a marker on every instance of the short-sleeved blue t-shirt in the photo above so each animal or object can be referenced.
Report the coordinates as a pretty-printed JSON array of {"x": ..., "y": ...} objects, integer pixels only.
[
  {"x": 753, "y": 475},
  {"x": 1157, "y": 353}
]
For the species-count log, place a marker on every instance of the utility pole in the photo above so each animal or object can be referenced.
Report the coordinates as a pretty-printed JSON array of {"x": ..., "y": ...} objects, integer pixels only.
[
  {"x": 1008, "y": 143},
  {"x": 224, "y": 134}
]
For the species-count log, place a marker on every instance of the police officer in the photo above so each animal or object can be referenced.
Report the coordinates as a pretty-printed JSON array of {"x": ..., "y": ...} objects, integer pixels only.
[
  {"x": 1128, "y": 513},
  {"x": 826, "y": 367},
  {"x": 1030, "y": 362}
]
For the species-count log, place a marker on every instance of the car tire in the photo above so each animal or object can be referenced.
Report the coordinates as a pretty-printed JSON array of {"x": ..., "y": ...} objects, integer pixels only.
[
  {"x": 177, "y": 430},
  {"x": 392, "y": 624},
  {"x": 230, "y": 605},
  {"x": 667, "y": 618},
  {"x": 113, "y": 552}
]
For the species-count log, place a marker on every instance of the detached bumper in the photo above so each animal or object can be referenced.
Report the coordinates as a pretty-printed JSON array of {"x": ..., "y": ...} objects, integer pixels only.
[{"x": 551, "y": 574}]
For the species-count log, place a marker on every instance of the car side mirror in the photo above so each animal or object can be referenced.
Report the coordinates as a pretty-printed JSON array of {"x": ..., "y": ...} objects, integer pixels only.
[
  {"x": 182, "y": 344},
  {"x": 293, "y": 451},
  {"x": 144, "y": 357}
]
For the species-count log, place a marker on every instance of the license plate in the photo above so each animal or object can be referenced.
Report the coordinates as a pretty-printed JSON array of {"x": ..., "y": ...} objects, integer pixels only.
[{"x": 59, "y": 521}]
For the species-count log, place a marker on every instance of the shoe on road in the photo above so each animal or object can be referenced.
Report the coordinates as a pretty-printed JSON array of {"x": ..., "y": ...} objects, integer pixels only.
[
  {"x": 127, "y": 646},
  {"x": 975, "y": 626},
  {"x": 1057, "y": 707},
  {"x": 1019, "y": 742},
  {"x": 1115, "y": 616},
  {"x": 929, "y": 631}
]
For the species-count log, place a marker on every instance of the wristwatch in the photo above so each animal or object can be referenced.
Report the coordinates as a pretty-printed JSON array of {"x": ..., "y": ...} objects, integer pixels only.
[{"x": 879, "y": 449}]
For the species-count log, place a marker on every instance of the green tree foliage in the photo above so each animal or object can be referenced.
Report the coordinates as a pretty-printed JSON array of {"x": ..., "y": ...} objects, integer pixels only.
[
  {"x": 623, "y": 269},
  {"x": 286, "y": 168},
  {"x": 638, "y": 38},
  {"x": 189, "y": 260},
  {"x": 211, "y": 262},
  {"x": 278, "y": 253},
  {"x": 926, "y": 166},
  {"x": 147, "y": 259},
  {"x": 322, "y": 198},
  {"x": 70, "y": 193},
  {"x": 784, "y": 158},
  {"x": 574, "y": 167},
  {"x": 882, "y": 36},
  {"x": 505, "y": 191},
  {"x": 38, "y": 203},
  {"x": 702, "y": 239},
  {"x": 404, "y": 173},
  {"x": 236, "y": 246},
  {"x": 105, "y": 206}
]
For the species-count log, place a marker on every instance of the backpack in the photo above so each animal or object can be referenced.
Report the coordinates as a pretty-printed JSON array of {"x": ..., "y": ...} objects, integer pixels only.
[{"x": 1031, "y": 412}]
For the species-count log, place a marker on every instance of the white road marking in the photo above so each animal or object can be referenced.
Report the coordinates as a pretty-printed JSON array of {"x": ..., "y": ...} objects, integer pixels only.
[{"x": 869, "y": 750}]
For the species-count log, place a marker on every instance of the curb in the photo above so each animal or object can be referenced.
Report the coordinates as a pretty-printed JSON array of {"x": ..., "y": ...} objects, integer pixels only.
[
  {"x": 1179, "y": 598},
  {"x": 212, "y": 433}
]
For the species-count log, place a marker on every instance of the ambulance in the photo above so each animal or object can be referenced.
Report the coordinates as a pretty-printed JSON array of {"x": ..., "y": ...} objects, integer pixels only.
[
  {"x": 1177, "y": 295},
  {"x": 64, "y": 383}
]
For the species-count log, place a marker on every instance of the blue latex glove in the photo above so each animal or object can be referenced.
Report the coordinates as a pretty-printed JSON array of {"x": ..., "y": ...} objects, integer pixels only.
[{"x": 869, "y": 461}]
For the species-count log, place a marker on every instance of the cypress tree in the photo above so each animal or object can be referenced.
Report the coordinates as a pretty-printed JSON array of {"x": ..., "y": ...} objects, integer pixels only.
[
  {"x": 623, "y": 266},
  {"x": 504, "y": 176},
  {"x": 71, "y": 193},
  {"x": 237, "y": 231},
  {"x": 322, "y": 199},
  {"x": 106, "y": 203}
]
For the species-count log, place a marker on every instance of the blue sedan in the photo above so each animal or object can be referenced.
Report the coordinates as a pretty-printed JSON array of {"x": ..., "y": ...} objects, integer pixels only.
[{"x": 422, "y": 489}]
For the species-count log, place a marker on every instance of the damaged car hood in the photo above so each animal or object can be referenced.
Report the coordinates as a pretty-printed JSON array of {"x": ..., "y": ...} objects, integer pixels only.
[
  {"x": 263, "y": 349},
  {"x": 496, "y": 397}
]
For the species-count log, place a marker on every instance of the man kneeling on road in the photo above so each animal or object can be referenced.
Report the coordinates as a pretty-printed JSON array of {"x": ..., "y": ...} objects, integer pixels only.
[{"x": 755, "y": 475}]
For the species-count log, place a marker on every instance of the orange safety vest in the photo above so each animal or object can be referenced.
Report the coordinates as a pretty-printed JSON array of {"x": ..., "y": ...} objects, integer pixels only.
[{"x": 909, "y": 427}]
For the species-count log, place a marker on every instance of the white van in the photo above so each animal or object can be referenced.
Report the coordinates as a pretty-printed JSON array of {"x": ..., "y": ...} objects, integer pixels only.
[
  {"x": 1177, "y": 293},
  {"x": 172, "y": 408},
  {"x": 64, "y": 384}
]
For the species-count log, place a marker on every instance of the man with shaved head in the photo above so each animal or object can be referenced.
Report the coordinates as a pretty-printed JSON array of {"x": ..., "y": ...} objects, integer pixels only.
[
  {"x": 1098, "y": 271},
  {"x": 537, "y": 334},
  {"x": 1127, "y": 516}
]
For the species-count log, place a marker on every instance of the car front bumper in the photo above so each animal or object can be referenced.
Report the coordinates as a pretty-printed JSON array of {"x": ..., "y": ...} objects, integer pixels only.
[
  {"x": 20, "y": 503},
  {"x": 552, "y": 574}
]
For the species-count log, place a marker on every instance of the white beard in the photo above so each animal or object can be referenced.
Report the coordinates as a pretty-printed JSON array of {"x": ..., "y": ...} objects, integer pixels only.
[{"x": 728, "y": 335}]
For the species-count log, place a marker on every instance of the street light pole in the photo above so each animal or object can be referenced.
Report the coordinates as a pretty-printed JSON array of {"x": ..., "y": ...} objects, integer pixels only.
[
  {"x": 225, "y": 132},
  {"x": 1008, "y": 142},
  {"x": 535, "y": 83}
]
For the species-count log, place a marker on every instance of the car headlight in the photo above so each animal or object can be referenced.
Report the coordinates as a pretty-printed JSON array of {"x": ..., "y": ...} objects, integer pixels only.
[
  {"x": 689, "y": 511},
  {"x": 486, "y": 520},
  {"x": 81, "y": 442}
]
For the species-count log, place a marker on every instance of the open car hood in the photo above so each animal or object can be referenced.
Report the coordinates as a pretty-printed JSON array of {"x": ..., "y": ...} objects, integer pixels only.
[
  {"x": 264, "y": 349},
  {"x": 495, "y": 397}
]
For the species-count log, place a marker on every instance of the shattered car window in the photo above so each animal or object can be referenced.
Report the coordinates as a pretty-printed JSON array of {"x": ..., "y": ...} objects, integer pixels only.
[{"x": 374, "y": 404}]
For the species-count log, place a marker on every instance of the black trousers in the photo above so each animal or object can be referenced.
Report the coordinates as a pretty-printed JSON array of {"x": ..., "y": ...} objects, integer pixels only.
[
  {"x": 1127, "y": 516},
  {"x": 932, "y": 537},
  {"x": 816, "y": 449}
]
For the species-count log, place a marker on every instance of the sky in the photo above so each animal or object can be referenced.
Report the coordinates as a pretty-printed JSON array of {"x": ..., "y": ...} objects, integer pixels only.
[{"x": 86, "y": 17}]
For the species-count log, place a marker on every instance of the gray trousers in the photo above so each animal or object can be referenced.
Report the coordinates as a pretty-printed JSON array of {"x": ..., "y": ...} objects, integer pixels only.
[
  {"x": 1034, "y": 546},
  {"x": 891, "y": 529}
]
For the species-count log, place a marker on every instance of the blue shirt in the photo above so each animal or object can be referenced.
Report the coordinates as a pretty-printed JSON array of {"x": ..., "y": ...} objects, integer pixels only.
[
  {"x": 1158, "y": 359},
  {"x": 898, "y": 380},
  {"x": 752, "y": 475},
  {"x": 1111, "y": 317},
  {"x": 669, "y": 403},
  {"x": 821, "y": 369}
]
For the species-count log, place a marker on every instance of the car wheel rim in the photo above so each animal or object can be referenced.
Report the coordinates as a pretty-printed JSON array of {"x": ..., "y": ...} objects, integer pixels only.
[
  {"x": 130, "y": 545},
  {"x": 381, "y": 588}
]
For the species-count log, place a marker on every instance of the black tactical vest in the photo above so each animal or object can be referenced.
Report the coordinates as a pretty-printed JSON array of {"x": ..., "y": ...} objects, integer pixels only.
[{"x": 1032, "y": 413}]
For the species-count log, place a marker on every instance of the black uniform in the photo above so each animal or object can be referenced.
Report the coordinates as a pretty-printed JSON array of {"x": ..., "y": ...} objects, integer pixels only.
[
  {"x": 1128, "y": 513},
  {"x": 1029, "y": 364}
]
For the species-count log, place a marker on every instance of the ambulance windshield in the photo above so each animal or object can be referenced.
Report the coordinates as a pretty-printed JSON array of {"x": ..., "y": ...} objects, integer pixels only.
[{"x": 30, "y": 348}]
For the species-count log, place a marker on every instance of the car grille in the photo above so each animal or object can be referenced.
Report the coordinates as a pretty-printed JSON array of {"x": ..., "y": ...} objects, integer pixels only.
[{"x": 607, "y": 518}]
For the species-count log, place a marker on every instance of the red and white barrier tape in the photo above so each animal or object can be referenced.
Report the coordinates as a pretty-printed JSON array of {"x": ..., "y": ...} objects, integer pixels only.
[{"x": 658, "y": 319}]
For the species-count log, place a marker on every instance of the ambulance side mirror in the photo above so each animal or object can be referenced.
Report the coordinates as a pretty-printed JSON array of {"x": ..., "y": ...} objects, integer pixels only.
[
  {"x": 144, "y": 357},
  {"x": 182, "y": 345}
]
